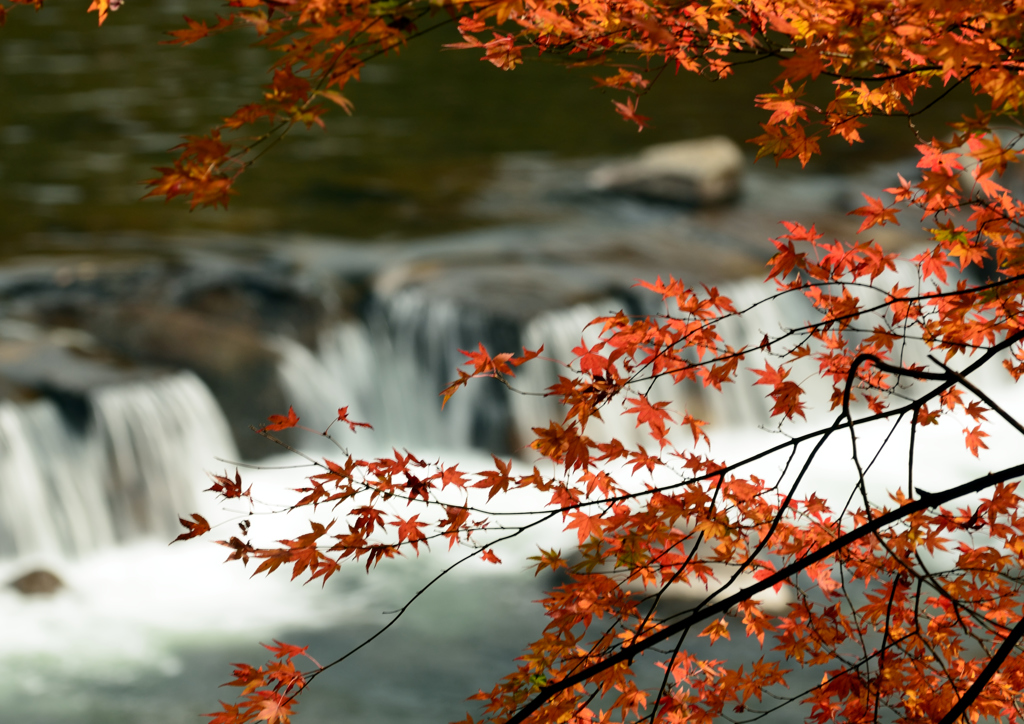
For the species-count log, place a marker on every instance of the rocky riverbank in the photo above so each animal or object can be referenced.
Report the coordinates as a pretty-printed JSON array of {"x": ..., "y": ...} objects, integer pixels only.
[{"x": 86, "y": 312}]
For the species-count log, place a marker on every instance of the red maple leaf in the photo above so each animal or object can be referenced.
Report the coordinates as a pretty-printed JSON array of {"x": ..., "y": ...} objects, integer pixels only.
[
  {"x": 281, "y": 422},
  {"x": 196, "y": 527},
  {"x": 343, "y": 417}
]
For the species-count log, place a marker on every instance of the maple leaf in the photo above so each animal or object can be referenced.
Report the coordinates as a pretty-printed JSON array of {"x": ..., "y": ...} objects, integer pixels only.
[
  {"x": 411, "y": 530},
  {"x": 875, "y": 213},
  {"x": 786, "y": 394},
  {"x": 933, "y": 263},
  {"x": 697, "y": 428},
  {"x": 927, "y": 417},
  {"x": 786, "y": 260},
  {"x": 716, "y": 630},
  {"x": 447, "y": 393},
  {"x": 103, "y": 7},
  {"x": 343, "y": 417},
  {"x": 502, "y": 52},
  {"x": 526, "y": 356},
  {"x": 652, "y": 415},
  {"x": 976, "y": 410},
  {"x": 484, "y": 364},
  {"x": 622, "y": 79},
  {"x": 338, "y": 99},
  {"x": 968, "y": 253},
  {"x": 195, "y": 527},
  {"x": 196, "y": 31},
  {"x": 628, "y": 111},
  {"x": 229, "y": 488},
  {"x": 786, "y": 109},
  {"x": 496, "y": 481},
  {"x": 936, "y": 158},
  {"x": 585, "y": 525},
  {"x": 273, "y": 710},
  {"x": 229, "y": 714},
  {"x": 282, "y": 422},
  {"x": 281, "y": 650},
  {"x": 805, "y": 62},
  {"x": 241, "y": 550},
  {"x": 590, "y": 361},
  {"x": 452, "y": 476},
  {"x": 972, "y": 437}
]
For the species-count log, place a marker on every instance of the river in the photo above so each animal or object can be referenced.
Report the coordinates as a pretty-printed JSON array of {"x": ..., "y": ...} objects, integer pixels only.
[{"x": 138, "y": 340}]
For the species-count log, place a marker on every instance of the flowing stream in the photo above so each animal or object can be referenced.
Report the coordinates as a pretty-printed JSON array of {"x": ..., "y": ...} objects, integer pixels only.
[
  {"x": 138, "y": 343},
  {"x": 143, "y": 631}
]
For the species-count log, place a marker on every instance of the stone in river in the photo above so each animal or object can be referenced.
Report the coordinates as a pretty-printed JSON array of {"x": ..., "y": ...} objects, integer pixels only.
[
  {"x": 699, "y": 172},
  {"x": 37, "y": 583}
]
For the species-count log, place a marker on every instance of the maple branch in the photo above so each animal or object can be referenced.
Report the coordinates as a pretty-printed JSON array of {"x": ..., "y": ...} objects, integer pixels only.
[
  {"x": 669, "y": 665},
  {"x": 626, "y": 653},
  {"x": 973, "y": 388},
  {"x": 786, "y": 701},
  {"x": 811, "y": 327},
  {"x": 399, "y": 612},
  {"x": 861, "y": 484},
  {"x": 972, "y": 693},
  {"x": 795, "y": 441}
]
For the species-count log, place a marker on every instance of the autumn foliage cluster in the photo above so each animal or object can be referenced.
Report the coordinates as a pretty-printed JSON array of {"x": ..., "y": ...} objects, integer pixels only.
[{"x": 907, "y": 601}]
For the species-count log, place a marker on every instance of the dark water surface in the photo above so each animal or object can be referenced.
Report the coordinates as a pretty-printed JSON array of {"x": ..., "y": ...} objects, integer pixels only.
[{"x": 89, "y": 111}]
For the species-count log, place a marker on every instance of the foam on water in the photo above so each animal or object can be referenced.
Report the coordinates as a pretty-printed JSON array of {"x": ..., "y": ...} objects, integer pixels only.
[
  {"x": 97, "y": 505},
  {"x": 139, "y": 460}
]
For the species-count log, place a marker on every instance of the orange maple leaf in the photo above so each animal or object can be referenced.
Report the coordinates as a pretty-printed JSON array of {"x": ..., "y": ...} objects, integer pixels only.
[
  {"x": 343, "y": 417},
  {"x": 973, "y": 440},
  {"x": 875, "y": 213},
  {"x": 274, "y": 711},
  {"x": 628, "y": 111}
]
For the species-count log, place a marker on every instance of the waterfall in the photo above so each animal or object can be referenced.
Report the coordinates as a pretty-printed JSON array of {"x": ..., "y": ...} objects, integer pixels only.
[
  {"x": 91, "y": 483},
  {"x": 137, "y": 464},
  {"x": 389, "y": 367},
  {"x": 124, "y": 460}
]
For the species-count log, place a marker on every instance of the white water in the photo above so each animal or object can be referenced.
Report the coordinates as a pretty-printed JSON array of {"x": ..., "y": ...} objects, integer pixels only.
[
  {"x": 137, "y": 463},
  {"x": 390, "y": 370},
  {"x": 97, "y": 505}
]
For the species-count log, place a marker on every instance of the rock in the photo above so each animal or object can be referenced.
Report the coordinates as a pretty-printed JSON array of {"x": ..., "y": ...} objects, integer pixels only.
[
  {"x": 700, "y": 172},
  {"x": 268, "y": 300},
  {"x": 37, "y": 583},
  {"x": 61, "y": 364},
  {"x": 234, "y": 360}
]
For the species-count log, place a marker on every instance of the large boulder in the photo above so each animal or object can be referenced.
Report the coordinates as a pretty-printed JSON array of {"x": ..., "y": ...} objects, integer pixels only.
[{"x": 699, "y": 172}]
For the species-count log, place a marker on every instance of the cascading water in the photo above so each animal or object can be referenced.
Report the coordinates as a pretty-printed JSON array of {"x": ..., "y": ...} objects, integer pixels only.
[
  {"x": 391, "y": 367},
  {"x": 39, "y": 456},
  {"x": 137, "y": 463},
  {"x": 159, "y": 436},
  {"x": 94, "y": 480},
  {"x": 136, "y": 459}
]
